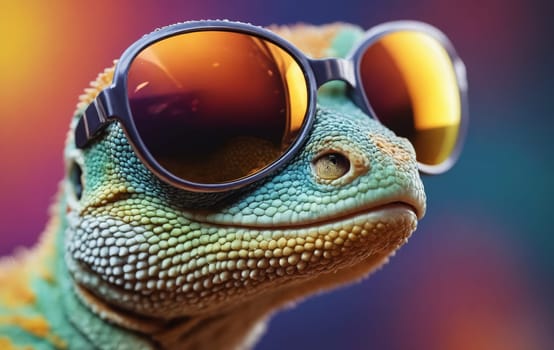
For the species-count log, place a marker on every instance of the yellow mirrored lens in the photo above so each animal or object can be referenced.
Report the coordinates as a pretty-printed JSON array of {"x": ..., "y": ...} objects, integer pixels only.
[
  {"x": 410, "y": 82},
  {"x": 216, "y": 106}
]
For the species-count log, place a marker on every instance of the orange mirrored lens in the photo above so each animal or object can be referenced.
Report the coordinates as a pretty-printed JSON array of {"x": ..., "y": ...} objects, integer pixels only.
[
  {"x": 216, "y": 106},
  {"x": 410, "y": 82}
]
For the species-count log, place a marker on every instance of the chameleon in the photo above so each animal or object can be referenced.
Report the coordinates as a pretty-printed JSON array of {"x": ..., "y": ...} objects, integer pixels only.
[{"x": 128, "y": 262}]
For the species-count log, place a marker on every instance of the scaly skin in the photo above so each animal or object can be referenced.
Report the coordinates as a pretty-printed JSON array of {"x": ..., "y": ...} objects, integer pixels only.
[{"x": 133, "y": 263}]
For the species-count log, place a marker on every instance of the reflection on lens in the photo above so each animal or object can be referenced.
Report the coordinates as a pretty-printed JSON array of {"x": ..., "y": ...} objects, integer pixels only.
[
  {"x": 410, "y": 82},
  {"x": 216, "y": 106}
]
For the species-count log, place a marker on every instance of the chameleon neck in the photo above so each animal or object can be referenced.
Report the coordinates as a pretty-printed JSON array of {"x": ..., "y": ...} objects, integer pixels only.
[{"x": 39, "y": 308}]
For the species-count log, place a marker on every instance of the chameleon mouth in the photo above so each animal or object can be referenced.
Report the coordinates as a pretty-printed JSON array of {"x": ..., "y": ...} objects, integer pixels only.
[
  {"x": 412, "y": 204},
  {"x": 392, "y": 218},
  {"x": 371, "y": 212},
  {"x": 331, "y": 221}
]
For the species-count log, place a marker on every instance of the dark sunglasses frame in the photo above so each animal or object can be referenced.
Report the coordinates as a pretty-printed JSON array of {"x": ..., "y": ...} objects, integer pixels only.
[{"x": 112, "y": 103}]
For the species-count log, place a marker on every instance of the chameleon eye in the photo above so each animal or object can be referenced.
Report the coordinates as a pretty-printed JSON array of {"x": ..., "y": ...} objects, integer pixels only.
[
  {"x": 75, "y": 177},
  {"x": 331, "y": 166}
]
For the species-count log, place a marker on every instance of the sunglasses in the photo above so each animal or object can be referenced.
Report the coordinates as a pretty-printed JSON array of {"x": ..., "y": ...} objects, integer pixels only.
[{"x": 211, "y": 106}]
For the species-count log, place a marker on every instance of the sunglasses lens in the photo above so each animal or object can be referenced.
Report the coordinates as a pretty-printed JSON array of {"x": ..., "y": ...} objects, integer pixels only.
[
  {"x": 410, "y": 82},
  {"x": 216, "y": 106}
]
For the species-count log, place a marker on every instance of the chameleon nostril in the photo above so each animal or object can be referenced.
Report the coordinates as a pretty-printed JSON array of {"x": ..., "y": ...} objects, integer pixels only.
[{"x": 331, "y": 166}]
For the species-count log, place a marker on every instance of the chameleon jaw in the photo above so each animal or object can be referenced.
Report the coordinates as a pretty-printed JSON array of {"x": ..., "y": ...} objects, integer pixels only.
[
  {"x": 349, "y": 249},
  {"x": 243, "y": 264}
]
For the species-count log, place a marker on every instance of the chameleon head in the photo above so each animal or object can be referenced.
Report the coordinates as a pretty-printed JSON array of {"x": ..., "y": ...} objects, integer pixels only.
[{"x": 337, "y": 211}]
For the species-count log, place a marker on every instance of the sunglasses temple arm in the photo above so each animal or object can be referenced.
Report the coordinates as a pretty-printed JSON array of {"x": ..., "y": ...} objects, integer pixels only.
[{"x": 92, "y": 120}]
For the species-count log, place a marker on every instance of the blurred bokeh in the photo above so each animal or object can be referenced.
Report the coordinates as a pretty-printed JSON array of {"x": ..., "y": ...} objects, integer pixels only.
[{"x": 478, "y": 273}]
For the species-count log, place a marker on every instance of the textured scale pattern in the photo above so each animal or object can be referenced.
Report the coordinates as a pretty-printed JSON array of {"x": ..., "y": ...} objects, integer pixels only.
[
  {"x": 134, "y": 263},
  {"x": 155, "y": 256}
]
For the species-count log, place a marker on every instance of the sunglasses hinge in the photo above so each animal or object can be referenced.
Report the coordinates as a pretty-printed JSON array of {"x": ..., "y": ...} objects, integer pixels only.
[{"x": 91, "y": 122}]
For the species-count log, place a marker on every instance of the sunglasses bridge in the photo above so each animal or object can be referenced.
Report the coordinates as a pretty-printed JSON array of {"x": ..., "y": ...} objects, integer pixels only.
[{"x": 329, "y": 69}]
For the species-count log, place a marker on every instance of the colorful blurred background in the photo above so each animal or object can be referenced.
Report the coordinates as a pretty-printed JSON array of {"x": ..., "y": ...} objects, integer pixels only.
[{"x": 478, "y": 273}]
